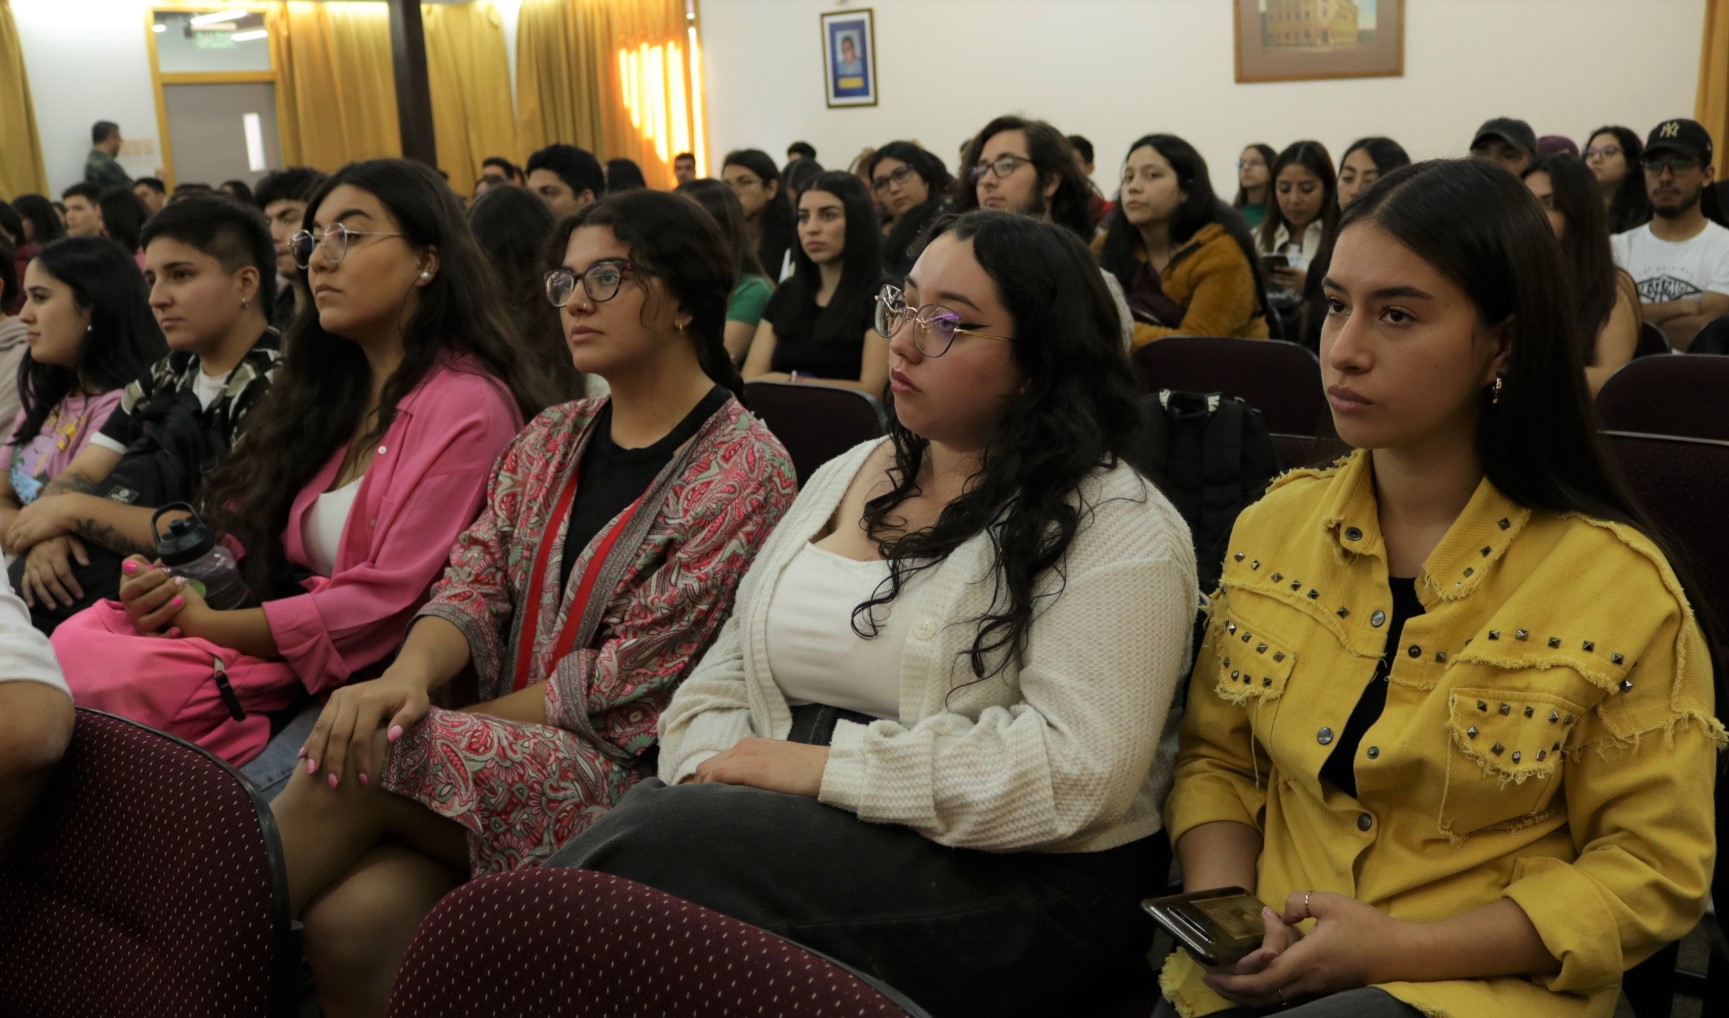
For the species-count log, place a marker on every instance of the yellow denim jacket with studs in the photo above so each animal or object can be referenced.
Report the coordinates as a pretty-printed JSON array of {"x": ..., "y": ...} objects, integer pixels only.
[{"x": 1548, "y": 735}]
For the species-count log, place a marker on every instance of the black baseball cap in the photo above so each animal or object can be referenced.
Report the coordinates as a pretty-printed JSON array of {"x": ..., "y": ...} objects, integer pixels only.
[
  {"x": 1683, "y": 137},
  {"x": 1514, "y": 132}
]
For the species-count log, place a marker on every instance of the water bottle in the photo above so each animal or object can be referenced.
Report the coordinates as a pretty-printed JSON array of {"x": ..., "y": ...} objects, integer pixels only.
[{"x": 190, "y": 549}]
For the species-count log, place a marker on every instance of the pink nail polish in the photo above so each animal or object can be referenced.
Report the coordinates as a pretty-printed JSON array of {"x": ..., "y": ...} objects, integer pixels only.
[
  {"x": 301, "y": 755},
  {"x": 179, "y": 602},
  {"x": 180, "y": 581},
  {"x": 333, "y": 781},
  {"x": 129, "y": 568},
  {"x": 311, "y": 766},
  {"x": 175, "y": 632},
  {"x": 394, "y": 733},
  {"x": 363, "y": 779}
]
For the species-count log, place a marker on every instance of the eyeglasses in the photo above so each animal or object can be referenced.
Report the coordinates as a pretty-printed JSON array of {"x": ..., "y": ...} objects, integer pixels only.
[
  {"x": 1607, "y": 151},
  {"x": 934, "y": 326},
  {"x": 332, "y": 240},
  {"x": 1655, "y": 165},
  {"x": 743, "y": 183},
  {"x": 1243, "y": 164},
  {"x": 600, "y": 282},
  {"x": 881, "y": 184},
  {"x": 1002, "y": 166}
]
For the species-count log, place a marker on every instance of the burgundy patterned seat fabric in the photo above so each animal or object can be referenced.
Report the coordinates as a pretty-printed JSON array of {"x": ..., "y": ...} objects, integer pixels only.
[
  {"x": 575, "y": 943},
  {"x": 147, "y": 883}
]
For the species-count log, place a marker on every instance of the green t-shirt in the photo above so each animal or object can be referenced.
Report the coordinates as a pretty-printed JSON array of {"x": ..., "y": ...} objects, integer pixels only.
[{"x": 748, "y": 299}]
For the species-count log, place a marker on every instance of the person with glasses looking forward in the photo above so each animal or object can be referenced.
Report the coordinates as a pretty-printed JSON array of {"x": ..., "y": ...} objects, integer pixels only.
[
  {"x": 908, "y": 183},
  {"x": 604, "y": 560},
  {"x": 928, "y": 739},
  {"x": 1680, "y": 259},
  {"x": 1613, "y": 155},
  {"x": 1028, "y": 166},
  {"x": 768, "y": 216}
]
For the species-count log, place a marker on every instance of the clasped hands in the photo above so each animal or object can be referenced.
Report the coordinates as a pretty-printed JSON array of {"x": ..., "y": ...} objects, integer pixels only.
[{"x": 1350, "y": 946}]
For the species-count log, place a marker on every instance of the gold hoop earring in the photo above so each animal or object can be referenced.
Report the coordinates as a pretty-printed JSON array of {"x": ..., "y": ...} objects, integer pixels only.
[{"x": 1495, "y": 391}]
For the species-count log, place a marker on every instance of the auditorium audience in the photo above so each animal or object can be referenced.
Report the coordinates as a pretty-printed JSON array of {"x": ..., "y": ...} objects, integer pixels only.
[
  {"x": 684, "y": 167},
  {"x": 1300, "y": 221},
  {"x": 816, "y": 327},
  {"x": 238, "y": 190},
  {"x": 1465, "y": 755},
  {"x": 567, "y": 178},
  {"x": 769, "y": 219},
  {"x": 1680, "y": 259},
  {"x": 152, "y": 192},
  {"x": 36, "y": 714},
  {"x": 373, "y": 448},
  {"x": 13, "y": 342},
  {"x": 209, "y": 267},
  {"x": 1364, "y": 163},
  {"x": 83, "y": 218},
  {"x": 100, "y": 168},
  {"x": 1614, "y": 154},
  {"x": 502, "y": 168},
  {"x": 800, "y": 150},
  {"x": 1605, "y": 295},
  {"x": 623, "y": 175},
  {"x": 513, "y": 228},
  {"x": 750, "y": 295},
  {"x": 122, "y": 215},
  {"x": 1549, "y": 144},
  {"x": 1184, "y": 259},
  {"x": 799, "y": 175},
  {"x": 909, "y": 183},
  {"x": 282, "y": 196},
  {"x": 87, "y": 320},
  {"x": 1506, "y": 141},
  {"x": 605, "y": 558},
  {"x": 988, "y": 602},
  {"x": 41, "y": 225},
  {"x": 1255, "y": 183}
]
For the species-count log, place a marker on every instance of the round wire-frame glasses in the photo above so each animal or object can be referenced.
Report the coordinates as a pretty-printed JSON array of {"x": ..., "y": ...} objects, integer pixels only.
[{"x": 934, "y": 325}]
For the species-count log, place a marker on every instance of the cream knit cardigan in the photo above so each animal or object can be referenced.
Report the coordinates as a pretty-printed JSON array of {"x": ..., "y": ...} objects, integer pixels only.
[{"x": 1070, "y": 752}]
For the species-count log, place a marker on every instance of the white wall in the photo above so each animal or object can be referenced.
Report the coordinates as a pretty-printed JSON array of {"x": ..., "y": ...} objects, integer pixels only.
[
  {"x": 1114, "y": 70},
  {"x": 88, "y": 61}
]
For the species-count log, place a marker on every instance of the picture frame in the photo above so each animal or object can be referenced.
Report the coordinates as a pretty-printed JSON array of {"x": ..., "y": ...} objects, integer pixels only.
[
  {"x": 849, "y": 58},
  {"x": 1307, "y": 40}
]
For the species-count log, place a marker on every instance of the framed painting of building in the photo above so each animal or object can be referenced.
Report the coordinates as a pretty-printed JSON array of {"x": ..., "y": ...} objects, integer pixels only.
[
  {"x": 849, "y": 58},
  {"x": 1297, "y": 40}
]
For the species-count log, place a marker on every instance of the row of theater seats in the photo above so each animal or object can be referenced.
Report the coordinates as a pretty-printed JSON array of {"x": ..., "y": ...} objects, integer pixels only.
[{"x": 150, "y": 882}]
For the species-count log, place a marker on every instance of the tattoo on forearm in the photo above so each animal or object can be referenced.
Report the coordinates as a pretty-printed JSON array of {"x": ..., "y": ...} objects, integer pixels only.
[
  {"x": 76, "y": 484},
  {"x": 109, "y": 537}
]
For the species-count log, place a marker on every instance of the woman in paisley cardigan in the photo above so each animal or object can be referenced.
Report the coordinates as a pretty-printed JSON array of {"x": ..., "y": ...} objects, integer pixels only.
[{"x": 604, "y": 561}]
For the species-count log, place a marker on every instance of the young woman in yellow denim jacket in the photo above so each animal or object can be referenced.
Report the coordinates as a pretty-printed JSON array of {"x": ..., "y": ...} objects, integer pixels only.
[{"x": 1453, "y": 718}]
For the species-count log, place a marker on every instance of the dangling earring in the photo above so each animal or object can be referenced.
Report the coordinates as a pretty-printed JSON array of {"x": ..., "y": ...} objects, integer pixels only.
[
  {"x": 1495, "y": 391},
  {"x": 245, "y": 301}
]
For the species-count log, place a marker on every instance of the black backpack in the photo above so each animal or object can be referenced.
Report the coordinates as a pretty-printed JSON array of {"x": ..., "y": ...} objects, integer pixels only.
[{"x": 1211, "y": 455}]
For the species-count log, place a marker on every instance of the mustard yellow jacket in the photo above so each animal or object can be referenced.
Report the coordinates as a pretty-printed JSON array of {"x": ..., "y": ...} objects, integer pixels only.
[{"x": 1548, "y": 735}]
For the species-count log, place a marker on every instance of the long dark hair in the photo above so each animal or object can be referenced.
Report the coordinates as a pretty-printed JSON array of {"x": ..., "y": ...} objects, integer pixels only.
[
  {"x": 1077, "y": 413},
  {"x": 1387, "y": 154},
  {"x": 1052, "y": 155},
  {"x": 623, "y": 175},
  {"x": 907, "y": 233},
  {"x": 38, "y": 211},
  {"x": 779, "y": 223},
  {"x": 321, "y": 393},
  {"x": 1312, "y": 156},
  {"x": 674, "y": 240},
  {"x": 722, "y": 204},
  {"x": 861, "y": 269},
  {"x": 1269, "y": 157},
  {"x": 123, "y": 340},
  {"x": 123, "y": 216},
  {"x": 1631, "y": 204},
  {"x": 513, "y": 227},
  {"x": 1584, "y": 243}
]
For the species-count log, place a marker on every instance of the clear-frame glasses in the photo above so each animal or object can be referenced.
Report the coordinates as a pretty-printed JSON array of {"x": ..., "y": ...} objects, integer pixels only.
[
  {"x": 1002, "y": 166},
  {"x": 600, "y": 282},
  {"x": 332, "y": 240},
  {"x": 882, "y": 183},
  {"x": 1606, "y": 151},
  {"x": 934, "y": 326}
]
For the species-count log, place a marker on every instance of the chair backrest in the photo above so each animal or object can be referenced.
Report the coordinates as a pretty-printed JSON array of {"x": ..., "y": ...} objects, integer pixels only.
[
  {"x": 573, "y": 943},
  {"x": 1281, "y": 380},
  {"x": 1652, "y": 340},
  {"x": 148, "y": 881},
  {"x": 1683, "y": 485},
  {"x": 1681, "y": 395},
  {"x": 816, "y": 423}
]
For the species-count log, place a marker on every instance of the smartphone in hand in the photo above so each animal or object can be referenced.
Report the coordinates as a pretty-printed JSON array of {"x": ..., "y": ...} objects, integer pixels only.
[{"x": 1217, "y": 926}]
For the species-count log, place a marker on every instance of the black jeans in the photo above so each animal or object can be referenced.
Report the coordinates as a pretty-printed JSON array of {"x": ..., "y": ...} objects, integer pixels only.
[
  {"x": 961, "y": 932},
  {"x": 1367, "y": 1002}
]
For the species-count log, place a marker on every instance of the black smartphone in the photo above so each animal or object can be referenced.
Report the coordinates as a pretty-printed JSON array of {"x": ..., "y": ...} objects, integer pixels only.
[
  {"x": 1217, "y": 926},
  {"x": 1269, "y": 262}
]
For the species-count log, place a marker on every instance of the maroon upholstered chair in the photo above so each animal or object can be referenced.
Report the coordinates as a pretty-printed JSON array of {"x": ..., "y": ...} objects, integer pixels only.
[
  {"x": 816, "y": 423},
  {"x": 148, "y": 882},
  {"x": 1281, "y": 380},
  {"x": 1683, "y": 395},
  {"x": 576, "y": 943},
  {"x": 1652, "y": 340}
]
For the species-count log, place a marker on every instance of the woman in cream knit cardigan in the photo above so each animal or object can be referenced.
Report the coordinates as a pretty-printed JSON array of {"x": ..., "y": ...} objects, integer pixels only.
[{"x": 928, "y": 743}]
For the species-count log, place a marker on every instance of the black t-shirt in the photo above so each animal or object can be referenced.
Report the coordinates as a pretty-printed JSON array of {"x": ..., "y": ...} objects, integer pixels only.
[
  {"x": 796, "y": 347},
  {"x": 1341, "y": 766},
  {"x": 612, "y": 478}
]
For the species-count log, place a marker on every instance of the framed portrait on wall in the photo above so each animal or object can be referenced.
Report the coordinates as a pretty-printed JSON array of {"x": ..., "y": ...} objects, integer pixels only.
[
  {"x": 1298, "y": 40},
  {"x": 849, "y": 58}
]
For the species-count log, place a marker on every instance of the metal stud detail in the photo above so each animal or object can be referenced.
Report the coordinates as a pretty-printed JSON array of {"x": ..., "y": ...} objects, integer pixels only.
[
  {"x": 1555, "y": 642},
  {"x": 1236, "y": 675},
  {"x": 1277, "y": 577},
  {"x": 1504, "y": 523},
  {"x": 1374, "y": 752},
  {"x": 1246, "y": 636},
  {"x": 1239, "y": 556},
  {"x": 1521, "y": 634},
  {"x": 1589, "y": 646},
  {"x": 1324, "y": 736},
  {"x": 1231, "y": 627},
  {"x": 1494, "y": 634},
  {"x": 1554, "y": 716},
  {"x": 1626, "y": 684},
  {"x": 1260, "y": 648},
  {"x": 1541, "y": 755},
  {"x": 1487, "y": 550},
  {"x": 1415, "y": 651},
  {"x": 1497, "y": 749},
  {"x": 1343, "y": 613},
  {"x": 1353, "y": 534},
  {"x": 1468, "y": 570},
  {"x": 1296, "y": 584},
  {"x": 1616, "y": 659},
  {"x": 1313, "y": 594},
  {"x": 1440, "y": 657},
  {"x": 1567, "y": 720},
  {"x": 1516, "y": 756},
  {"x": 1266, "y": 682},
  {"x": 1377, "y": 618},
  {"x": 1506, "y": 709},
  {"x": 1483, "y": 706},
  {"x": 1471, "y": 732},
  {"x": 1530, "y": 711},
  {"x": 1256, "y": 564}
]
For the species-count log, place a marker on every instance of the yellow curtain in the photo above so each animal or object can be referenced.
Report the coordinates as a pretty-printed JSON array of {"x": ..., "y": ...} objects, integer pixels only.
[
  {"x": 614, "y": 76},
  {"x": 21, "y": 167},
  {"x": 336, "y": 87},
  {"x": 1713, "y": 107},
  {"x": 470, "y": 79}
]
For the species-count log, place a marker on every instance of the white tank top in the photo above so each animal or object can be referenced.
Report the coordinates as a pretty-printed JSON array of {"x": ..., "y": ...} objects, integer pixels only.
[{"x": 323, "y": 526}]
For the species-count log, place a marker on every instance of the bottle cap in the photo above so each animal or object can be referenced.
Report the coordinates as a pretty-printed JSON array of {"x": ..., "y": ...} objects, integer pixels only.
[{"x": 187, "y": 540}]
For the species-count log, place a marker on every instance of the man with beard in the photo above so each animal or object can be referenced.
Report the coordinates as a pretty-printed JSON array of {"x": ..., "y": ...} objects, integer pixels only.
[
  {"x": 1027, "y": 166},
  {"x": 1680, "y": 259}
]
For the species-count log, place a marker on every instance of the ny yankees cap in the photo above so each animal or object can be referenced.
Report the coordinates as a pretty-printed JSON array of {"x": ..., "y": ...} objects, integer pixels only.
[{"x": 1683, "y": 137}]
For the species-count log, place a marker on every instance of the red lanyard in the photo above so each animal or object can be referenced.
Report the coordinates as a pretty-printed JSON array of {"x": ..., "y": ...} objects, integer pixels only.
[{"x": 537, "y": 580}]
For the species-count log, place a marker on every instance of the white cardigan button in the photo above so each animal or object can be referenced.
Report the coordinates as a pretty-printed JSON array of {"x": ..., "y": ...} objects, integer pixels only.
[{"x": 926, "y": 628}]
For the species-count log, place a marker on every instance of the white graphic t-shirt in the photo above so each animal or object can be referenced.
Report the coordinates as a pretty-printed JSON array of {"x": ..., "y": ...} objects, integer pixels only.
[{"x": 1666, "y": 270}]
